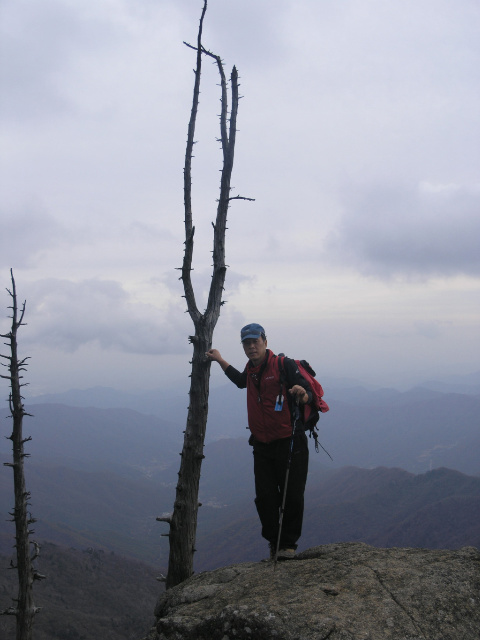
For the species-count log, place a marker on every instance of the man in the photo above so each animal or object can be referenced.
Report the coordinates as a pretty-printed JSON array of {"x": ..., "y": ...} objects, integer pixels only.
[{"x": 271, "y": 406}]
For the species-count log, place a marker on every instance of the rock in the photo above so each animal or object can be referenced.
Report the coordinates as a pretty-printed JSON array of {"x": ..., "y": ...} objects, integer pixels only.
[{"x": 347, "y": 591}]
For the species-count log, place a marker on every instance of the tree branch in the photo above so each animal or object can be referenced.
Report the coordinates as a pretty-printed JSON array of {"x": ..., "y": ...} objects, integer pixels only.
[
  {"x": 241, "y": 198},
  {"x": 228, "y": 147},
  {"x": 187, "y": 181}
]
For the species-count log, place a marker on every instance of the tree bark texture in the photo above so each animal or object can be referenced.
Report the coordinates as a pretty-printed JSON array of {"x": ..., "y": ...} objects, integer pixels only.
[
  {"x": 25, "y": 608},
  {"x": 183, "y": 522}
]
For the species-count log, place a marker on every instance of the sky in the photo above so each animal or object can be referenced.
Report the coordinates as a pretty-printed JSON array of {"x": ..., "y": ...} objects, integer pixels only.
[{"x": 358, "y": 139}]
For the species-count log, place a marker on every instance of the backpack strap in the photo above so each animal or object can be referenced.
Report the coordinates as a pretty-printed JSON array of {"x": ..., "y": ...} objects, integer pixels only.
[
  {"x": 281, "y": 367},
  {"x": 282, "y": 392},
  {"x": 280, "y": 359},
  {"x": 295, "y": 412}
]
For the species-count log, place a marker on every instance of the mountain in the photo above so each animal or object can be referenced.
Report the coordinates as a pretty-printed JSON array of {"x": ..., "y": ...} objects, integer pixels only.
[
  {"x": 417, "y": 434},
  {"x": 392, "y": 508},
  {"x": 382, "y": 507},
  {"x": 100, "y": 477},
  {"x": 86, "y": 594},
  {"x": 158, "y": 401},
  {"x": 469, "y": 384},
  {"x": 385, "y": 507},
  {"x": 100, "y": 509},
  {"x": 171, "y": 400},
  {"x": 91, "y": 592},
  {"x": 417, "y": 430},
  {"x": 171, "y": 406},
  {"x": 96, "y": 439},
  {"x": 404, "y": 475}
]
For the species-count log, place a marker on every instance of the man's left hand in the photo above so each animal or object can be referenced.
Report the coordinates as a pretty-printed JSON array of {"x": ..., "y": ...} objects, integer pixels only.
[{"x": 301, "y": 396}]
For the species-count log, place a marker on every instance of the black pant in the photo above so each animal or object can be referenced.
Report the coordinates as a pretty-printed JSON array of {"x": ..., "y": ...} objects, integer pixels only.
[{"x": 270, "y": 466}]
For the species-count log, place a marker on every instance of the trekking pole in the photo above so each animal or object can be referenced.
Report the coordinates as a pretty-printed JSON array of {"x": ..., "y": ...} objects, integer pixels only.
[{"x": 296, "y": 415}]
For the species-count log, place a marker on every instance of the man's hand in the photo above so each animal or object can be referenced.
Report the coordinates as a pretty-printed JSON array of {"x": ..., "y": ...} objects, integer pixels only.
[
  {"x": 214, "y": 354},
  {"x": 301, "y": 396}
]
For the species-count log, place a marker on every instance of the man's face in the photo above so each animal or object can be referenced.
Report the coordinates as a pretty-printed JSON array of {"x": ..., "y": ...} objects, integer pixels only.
[{"x": 255, "y": 349}]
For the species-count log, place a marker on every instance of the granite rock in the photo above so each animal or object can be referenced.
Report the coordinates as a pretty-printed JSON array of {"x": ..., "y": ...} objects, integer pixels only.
[{"x": 347, "y": 591}]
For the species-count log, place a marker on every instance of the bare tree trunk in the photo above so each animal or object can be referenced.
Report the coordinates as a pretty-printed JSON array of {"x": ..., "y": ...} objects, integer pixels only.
[
  {"x": 25, "y": 608},
  {"x": 183, "y": 522}
]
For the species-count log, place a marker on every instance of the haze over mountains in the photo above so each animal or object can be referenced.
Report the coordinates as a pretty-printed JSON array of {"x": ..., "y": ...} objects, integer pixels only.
[
  {"x": 418, "y": 430},
  {"x": 100, "y": 476},
  {"x": 103, "y": 466}
]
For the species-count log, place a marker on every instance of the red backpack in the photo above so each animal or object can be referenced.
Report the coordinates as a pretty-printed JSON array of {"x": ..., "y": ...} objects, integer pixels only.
[{"x": 313, "y": 410}]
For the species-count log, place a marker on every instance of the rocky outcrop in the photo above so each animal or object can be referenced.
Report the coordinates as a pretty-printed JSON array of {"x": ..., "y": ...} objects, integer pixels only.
[{"x": 347, "y": 591}]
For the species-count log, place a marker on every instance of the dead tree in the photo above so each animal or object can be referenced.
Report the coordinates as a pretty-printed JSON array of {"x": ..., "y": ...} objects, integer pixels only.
[
  {"x": 24, "y": 608},
  {"x": 183, "y": 521}
]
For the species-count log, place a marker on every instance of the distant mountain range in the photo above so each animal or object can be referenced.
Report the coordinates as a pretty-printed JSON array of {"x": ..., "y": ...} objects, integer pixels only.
[
  {"x": 157, "y": 401},
  {"x": 121, "y": 440},
  {"x": 383, "y": 507},
  {"x": 117, "y": 512},
  {"x": 417, "y": 430},
  {"x": 404, "y": 473},
  {"x": 227, "y": 405}
]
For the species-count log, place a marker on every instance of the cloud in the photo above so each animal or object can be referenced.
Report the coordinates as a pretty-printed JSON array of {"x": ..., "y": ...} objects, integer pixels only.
[
  {"x": 71, "y": 43},
  {"x": 429, "y": 330},
  {"x": 27, "y": 232},
  {"x": 56, "y": 32},
  {"x": 201, "y": 280},
  {"x": 65, "y": 315},
  {"x": 96, "y": 97},
  {"x": 421, "y": 231}
]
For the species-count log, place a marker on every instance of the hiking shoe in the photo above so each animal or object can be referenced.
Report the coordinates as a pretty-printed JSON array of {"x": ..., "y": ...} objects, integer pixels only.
[
  {"x": 271, "y": 556},
  {"x": 285, "y": 554}
]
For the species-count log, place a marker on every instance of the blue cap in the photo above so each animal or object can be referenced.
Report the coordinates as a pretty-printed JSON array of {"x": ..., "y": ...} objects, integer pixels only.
[{"x": 252, "y": 331}]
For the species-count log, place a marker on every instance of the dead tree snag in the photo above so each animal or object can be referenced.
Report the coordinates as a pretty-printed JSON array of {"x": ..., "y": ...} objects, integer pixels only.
[
  {"x": 183, "y": 521},
  {"x": 24, "y": 608}
]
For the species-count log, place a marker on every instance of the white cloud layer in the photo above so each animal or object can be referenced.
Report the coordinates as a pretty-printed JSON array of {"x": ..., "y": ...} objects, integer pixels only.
[
  {"x": 429, "y": 230},
  {"x": 358, "y": 138},
  {"x": 68, "y": 315}
]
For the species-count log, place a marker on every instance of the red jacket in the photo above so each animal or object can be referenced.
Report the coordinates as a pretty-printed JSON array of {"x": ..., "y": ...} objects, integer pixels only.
[
  {"x": 263, "y": 387},
  {"x": 264, "y": 422}
]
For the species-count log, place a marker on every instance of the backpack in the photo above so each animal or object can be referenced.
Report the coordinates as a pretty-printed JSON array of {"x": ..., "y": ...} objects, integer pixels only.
[{"x": 312, "y": 411}]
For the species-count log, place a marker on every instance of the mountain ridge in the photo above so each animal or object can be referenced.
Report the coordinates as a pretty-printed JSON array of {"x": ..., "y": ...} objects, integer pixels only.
[
  {"x": 418, "y": 434},
  {"x": 380, "y": 506},
  {"x": 87, "y": 593}
]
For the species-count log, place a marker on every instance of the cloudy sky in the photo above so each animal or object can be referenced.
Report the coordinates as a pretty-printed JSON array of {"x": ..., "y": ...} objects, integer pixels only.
[{"x": 358, "y": 137}]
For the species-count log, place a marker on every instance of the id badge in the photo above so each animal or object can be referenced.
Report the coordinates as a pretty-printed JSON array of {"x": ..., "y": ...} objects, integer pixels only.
[{"x": 279, "y": 403}]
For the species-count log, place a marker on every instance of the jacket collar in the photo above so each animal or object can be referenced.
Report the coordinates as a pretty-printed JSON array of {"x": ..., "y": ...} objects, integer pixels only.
[{"x": 264, "y": 362}]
